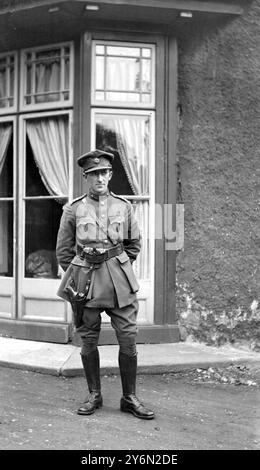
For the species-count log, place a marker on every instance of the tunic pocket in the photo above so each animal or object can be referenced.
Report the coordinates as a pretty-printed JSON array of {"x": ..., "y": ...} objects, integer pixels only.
[{"x": 128, "y": 270}]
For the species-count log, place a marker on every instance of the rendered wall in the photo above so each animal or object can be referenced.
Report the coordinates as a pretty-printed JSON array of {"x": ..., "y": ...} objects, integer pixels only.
[{"x": 218, "y": 273}]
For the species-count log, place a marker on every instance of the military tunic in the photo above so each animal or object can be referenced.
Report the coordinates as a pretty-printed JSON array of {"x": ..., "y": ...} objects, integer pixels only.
[{"x": 100, "y": 222}]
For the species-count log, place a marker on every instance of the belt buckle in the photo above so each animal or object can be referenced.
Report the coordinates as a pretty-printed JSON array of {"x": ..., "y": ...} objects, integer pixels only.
[
  {"x": 100, "y": 251},
  {"x": 88, "y": 250}
]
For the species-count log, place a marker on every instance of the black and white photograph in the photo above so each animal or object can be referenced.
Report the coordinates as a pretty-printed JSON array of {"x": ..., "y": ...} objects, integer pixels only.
[{"x": 129, "y": 231}]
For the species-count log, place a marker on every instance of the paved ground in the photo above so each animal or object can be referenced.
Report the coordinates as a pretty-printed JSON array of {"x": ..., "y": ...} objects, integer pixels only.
[
  {"x": 216, "y": 408},
  {"x": 64, "y": 359}
]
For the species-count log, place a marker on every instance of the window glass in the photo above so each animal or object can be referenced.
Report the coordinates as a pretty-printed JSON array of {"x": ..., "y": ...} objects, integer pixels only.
[
  {"x": 6, "y": 161},
  {"x": 7, "y": 66},
  {"x": 34, "y": 184},
  {"x": 142, "y": 265},
  {"x": 6, "y": 206},
  {"x": 6, "y": 238},
  {"x": 46, "y": 190},
  {"x": 42, "y": 218}
]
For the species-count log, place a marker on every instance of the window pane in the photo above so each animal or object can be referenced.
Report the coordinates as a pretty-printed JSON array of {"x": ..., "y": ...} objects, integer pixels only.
[
  {"x": 42, "y": 219},
  {"x": 47, "y": 156},
  {"x": 100, "y": 73},
  {"x": 6, "y": 238},
  {"x": 129, "y": 97},
  {"x": 34, "y": 184},
  {"x": 146, "y": 76},
  {"x": 146, "y": 52},
  {"x": 47, "y": 76},
  {"x": 3, "y": 100},
  {"x": 7, "y": 81},
  {"x": 130, "y": 136},
  {"x": 100, "y": 50},
  {"x": 6, "y": 175},
  {"x": 142, "y": 265},
  {"x": 123, "y": 51},
  {"x": 99, "y": 95},
  {"x": 145, "y": 98}
]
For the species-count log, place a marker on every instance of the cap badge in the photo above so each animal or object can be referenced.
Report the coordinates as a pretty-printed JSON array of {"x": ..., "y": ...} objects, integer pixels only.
[{"x": 96, "y": 160}]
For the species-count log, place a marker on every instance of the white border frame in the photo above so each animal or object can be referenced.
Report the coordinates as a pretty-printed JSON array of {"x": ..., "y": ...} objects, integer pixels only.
[
  {"x": 52, "y": 104},
  {"x": 4, "y": 279},
  {"x": 123, "y": 104},
  {"x": 150, "y": 197},
  {"x": 12, "y": 109}
]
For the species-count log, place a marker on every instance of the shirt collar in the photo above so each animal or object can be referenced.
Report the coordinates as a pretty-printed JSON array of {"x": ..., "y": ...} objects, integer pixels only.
[{"x": 98, "y": 197}]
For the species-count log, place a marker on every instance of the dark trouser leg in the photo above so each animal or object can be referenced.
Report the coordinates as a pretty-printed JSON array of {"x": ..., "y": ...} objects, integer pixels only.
[
  {"x": 91, "y": 362},
  {"x": 124, "y": 322}
]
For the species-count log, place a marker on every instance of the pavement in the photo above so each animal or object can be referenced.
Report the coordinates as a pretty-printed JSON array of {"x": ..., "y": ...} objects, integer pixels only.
[{"x": 65, "y": 360}]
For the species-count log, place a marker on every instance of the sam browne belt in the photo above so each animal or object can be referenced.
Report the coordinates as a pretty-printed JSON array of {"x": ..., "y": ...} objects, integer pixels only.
[{"x": 99, "y": 255}]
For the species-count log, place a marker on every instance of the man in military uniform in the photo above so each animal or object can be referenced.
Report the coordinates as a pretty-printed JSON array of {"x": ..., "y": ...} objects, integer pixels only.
[{"x": 97, "y": 242}]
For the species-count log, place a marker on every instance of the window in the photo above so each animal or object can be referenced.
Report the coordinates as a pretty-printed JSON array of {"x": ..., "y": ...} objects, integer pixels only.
[
  {"x": 6, "y": 199},
  {"x": 46, "y": 190},
  {"x": 124, "y": 82},
  {"x": 47, "y": 77},
  {"x": 123, "y": 74},
  {"x": 8, "y": 81}
]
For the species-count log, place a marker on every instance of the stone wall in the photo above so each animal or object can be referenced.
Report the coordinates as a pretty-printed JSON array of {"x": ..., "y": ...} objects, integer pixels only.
[{"x": 218, "y": 272}]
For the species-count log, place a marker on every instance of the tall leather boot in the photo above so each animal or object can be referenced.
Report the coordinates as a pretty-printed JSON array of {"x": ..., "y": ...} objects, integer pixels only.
[
  {"x": 129, "y": 402},
  {"x": 91, "y": 366}
]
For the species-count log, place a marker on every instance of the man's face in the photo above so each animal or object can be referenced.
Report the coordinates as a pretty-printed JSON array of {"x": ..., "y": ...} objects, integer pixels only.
[{"x": 98, "y": 180}]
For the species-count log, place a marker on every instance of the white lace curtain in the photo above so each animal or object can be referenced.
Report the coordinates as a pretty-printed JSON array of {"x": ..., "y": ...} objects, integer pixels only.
[
  {"x": 49, "y": 141},
  {"x": 5, "y": 136},
  {"x": 122, "y": 74}
]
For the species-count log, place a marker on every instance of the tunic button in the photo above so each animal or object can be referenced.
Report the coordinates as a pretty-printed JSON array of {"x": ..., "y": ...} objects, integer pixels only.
[
  {"x": 102, "y": 203},
  {"x": 105, "y": 241},
  {"x": 102, "y": 215}
]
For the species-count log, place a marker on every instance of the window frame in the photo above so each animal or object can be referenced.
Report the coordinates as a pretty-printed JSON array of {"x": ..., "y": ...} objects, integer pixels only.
[
  {"x": 8, "y": 283},
  {"x": 12, "y": 109},
  {"x": 23, "y": 76},
  {"x": 120, "y": 104},
  {"x": 22, "y": 171}
]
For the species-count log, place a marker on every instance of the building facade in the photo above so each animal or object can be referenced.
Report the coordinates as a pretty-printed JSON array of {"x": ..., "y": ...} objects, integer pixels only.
[{"x": 77, "y": 75}]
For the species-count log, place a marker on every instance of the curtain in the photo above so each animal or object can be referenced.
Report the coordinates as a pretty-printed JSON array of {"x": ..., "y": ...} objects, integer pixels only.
[
  {"x": 122, "y": 74},
  {"x": 5, "y": 135},
  {"x": 48, "y": 78},
  {"x": 132, "y": 141},
  {"x": 49, "y": 141}
]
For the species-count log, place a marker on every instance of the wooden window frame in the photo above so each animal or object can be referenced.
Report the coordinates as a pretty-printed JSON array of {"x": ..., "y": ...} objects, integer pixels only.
[
  {"x": 123, "y": 104},
  {"x": 52, "y": 104}
]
